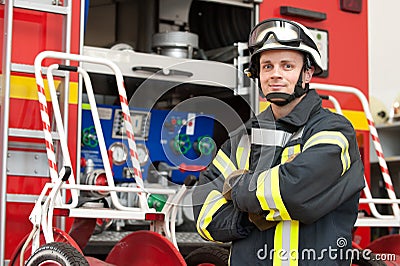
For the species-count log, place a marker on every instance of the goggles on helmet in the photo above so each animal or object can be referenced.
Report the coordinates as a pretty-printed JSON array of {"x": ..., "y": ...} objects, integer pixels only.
[{"x": 285, "y": 32}]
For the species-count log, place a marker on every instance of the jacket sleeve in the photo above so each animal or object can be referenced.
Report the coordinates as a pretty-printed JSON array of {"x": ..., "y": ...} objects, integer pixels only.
[
  {"x": 216, "y": 218},
  {"x": 326, "y": 173}
]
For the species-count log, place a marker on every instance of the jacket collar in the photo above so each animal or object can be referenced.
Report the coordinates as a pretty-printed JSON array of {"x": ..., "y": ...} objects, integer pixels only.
[
  {"x": 299, "y": 116},
  {"x": 301, "y": 113}
]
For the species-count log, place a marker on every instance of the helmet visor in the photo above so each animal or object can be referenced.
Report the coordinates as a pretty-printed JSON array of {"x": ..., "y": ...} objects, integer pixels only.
[{"x": 285, "y": 32}]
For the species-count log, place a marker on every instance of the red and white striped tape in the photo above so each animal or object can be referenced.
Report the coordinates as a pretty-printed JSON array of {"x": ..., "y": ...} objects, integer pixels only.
[
  {"x": 381, "y": 160},
  {"x": 137, "y": 172},
  {"x": 44, "y": 114}
]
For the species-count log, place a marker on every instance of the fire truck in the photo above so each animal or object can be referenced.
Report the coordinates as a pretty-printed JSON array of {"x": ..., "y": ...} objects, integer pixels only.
[{"x": 182, "y": 64}]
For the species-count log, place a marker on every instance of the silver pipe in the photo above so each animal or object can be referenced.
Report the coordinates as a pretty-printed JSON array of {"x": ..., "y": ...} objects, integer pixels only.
[
  {"x": 254, "y": 92},
  {"x": 80, "y": 89},
  {"x": 5, "y": 110}
]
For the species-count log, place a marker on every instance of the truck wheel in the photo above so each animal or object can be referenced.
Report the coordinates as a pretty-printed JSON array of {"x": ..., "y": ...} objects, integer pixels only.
[
  {"x": 57, "y": 253},
  {"x": 209, "y": 255}
]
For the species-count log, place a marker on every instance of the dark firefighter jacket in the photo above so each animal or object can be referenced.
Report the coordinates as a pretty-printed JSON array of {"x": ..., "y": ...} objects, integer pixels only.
[{"x": 314, "y": 197}]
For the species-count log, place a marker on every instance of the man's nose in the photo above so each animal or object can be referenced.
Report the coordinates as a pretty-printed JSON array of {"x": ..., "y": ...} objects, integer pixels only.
[{"x": 276, "y": 72}]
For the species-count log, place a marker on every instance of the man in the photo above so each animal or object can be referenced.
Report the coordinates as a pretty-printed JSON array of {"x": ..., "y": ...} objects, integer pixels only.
[{"x": 285, "y": 189}]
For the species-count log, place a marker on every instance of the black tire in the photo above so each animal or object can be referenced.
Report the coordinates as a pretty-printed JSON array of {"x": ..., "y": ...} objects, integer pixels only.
[
  {"x": 57, "y": 252},
  {"x": 370, "y": 260},
  {"x": 208, "y": 254}
]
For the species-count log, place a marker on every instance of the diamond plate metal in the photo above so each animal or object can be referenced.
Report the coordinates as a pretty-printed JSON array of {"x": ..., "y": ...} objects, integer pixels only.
[{"x": 114, "y": 236}]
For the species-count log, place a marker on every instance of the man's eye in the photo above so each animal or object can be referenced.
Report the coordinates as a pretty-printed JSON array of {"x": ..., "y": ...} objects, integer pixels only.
[{"x": 288, "y": 66}]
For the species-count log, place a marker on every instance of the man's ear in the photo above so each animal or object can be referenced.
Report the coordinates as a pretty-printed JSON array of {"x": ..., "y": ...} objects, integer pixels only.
[{"x": 308, "y": 74}]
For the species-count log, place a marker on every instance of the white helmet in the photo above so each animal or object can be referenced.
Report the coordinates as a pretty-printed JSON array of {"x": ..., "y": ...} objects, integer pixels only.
[{"x": 277, "y": 33}]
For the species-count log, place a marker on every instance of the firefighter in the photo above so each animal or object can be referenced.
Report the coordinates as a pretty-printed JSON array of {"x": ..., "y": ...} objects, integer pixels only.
[{"x": 284, "y": 188}]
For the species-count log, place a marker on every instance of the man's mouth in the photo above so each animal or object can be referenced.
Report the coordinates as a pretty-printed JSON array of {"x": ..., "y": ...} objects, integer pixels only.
[{"x": 276, "y": 87}]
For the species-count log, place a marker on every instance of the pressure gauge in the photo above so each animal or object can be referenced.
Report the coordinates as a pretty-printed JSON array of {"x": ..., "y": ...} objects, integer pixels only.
[
  {"x": 143, "y": 154},
  {"x": 119, "y": 153}
]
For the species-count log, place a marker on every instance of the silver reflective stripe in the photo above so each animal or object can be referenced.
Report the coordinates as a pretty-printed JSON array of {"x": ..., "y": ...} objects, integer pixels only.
[
  {"x": 269, "y": 137},
  {"x": 212, "y": 201},
  {"x": 223, "y": 164},
  {"x": 334, "y": 138},
  {"x": 268, "y": 196},
  {"x": 290, "y": 151},
  {"x": 286, "y": 231},
  {"x": 286, "y": 243},
  {"x": 244, "y": 146},
  {"x": 212, "y": 204}
]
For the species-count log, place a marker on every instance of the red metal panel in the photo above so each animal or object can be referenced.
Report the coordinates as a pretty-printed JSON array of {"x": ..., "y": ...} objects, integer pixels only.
[
  {"x": 17, "y": 225},
  {"x": 25, "y": 114},
  {"x": 35, "y": 31}
]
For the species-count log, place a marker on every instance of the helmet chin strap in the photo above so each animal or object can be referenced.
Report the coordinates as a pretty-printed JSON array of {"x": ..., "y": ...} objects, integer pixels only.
[{"x": 282, "y": 99}]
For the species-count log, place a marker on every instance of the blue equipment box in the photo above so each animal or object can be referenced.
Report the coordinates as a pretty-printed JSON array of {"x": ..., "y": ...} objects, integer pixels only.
[{"x": 179, "y": 139}]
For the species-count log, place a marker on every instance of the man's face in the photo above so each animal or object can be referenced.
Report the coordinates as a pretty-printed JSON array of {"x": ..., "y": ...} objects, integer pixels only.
[{"x": 280, "y": 70}]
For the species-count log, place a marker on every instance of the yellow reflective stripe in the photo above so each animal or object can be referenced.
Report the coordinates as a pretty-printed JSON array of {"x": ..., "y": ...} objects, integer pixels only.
[
  {"x": 335, "y": 138},
  {"x": 286, "y": 238},
  {"x": 239, "y": 154},
  {"x": 285, "y": 155},
  {"x": 260, "y": 192},
  {"x": 277, "y": 261},
  {"x": 269, "y": 196},
  {"x": 223, "y": 164},
  {"x": 289, "y": 151},
  {"x": 294, "y": 242},
  {"x": 286, "y": 243},
  {"x": 239, "y": 158},
  {"x": 211, "y": 205},
  {"x": 274, "y": 214},
  {"x": 276, "y": 194}
]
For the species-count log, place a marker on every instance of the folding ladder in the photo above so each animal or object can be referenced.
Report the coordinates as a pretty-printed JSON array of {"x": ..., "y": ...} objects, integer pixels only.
[{"x": 59, "y": 7}]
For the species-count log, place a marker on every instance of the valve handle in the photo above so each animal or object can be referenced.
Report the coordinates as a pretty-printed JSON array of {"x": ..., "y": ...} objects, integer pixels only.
[{"x": 191, "y": 168}]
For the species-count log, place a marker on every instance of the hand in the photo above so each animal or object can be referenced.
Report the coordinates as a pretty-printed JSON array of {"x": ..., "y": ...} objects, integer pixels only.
[
  {"x": 230, "y": 181},
  {"x": 260, "y": 221}
]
